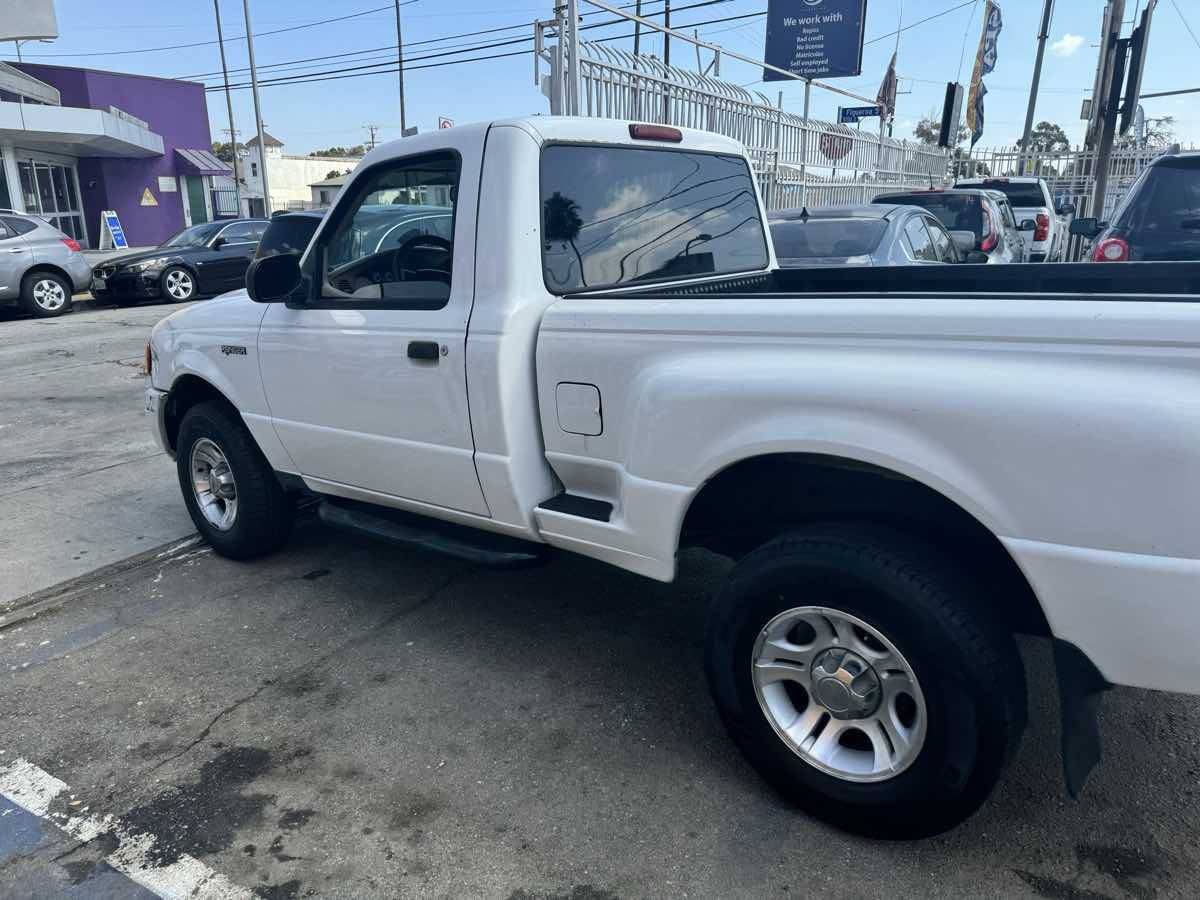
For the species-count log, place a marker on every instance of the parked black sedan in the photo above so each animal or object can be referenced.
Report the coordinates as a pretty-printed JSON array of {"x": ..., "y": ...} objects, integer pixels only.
[{"x": 204, "y": 259}]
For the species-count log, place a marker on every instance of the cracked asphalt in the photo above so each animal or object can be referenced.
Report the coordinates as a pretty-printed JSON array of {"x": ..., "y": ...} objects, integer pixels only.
[{"x": 347, "y": 719}]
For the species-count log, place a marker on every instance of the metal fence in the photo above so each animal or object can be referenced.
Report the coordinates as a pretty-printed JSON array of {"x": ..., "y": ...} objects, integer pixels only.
[
  {"x": 797, "y": 161},
  {"x": 225, "y": 203}
]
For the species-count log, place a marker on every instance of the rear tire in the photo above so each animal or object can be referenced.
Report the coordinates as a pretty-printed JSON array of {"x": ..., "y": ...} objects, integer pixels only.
[
  {"x": 45, "y": 294},
  {"x": 231, "y": 492},
  {"x": 934, "y": 724}
]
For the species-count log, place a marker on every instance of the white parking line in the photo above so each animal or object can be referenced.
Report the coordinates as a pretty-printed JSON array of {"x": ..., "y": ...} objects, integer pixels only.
[{"x": 35, "y": 791}]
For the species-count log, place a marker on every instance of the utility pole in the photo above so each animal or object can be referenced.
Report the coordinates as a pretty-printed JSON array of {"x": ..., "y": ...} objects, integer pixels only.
[
  {"x": 667, "y": 34},
  {"x": 237, "y": 188},
  {"x": 371, "y": 129},
  {"x": 262, "y": 142},
  {"x": 1047, "y": 12},
  {"x": 400, "y": 70},
  {"x": 1109, "y": 101},
  {"x": 637, "y": 31}
]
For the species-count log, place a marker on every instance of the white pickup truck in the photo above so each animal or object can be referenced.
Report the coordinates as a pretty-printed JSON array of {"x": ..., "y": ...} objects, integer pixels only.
[
  {"x": 572, "y": 333},
  {"x": 1030, "y": 198}
]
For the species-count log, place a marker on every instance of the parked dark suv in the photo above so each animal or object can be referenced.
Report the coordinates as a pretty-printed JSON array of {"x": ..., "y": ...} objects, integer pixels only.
[{"x": 1159, "y": 219}]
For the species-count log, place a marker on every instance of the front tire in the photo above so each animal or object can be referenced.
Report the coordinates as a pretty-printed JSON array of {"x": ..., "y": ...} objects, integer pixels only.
[
  {"x": 851, "y": 667},
  {"x": 45, "y": 294},
  {"x": 230, "y": 490},
  {"x": 177, "y": 285}
]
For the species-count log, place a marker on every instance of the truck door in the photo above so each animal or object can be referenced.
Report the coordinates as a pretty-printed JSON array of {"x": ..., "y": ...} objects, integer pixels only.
[{"x": 365, "y": 375}]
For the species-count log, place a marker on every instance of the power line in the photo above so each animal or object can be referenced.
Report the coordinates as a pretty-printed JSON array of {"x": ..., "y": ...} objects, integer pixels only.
[
  {"x": 1185, "y": 23},
  {"x": 390, "y": 67},
  {"x": 241, "y": 37},
  {"x": 920, "y": 22}
]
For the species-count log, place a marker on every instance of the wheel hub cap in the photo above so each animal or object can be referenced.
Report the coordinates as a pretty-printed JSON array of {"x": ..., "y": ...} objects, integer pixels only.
[
  {"x": 845, "y": 684},
  {"x": 214, "y": 485}
]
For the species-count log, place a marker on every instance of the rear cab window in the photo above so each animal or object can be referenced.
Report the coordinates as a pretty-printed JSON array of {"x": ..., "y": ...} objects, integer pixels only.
[
  {"x": 817, "y": 238},
  {"x": 1020, "y": 194},
  {"x": 616, "y": 215}
]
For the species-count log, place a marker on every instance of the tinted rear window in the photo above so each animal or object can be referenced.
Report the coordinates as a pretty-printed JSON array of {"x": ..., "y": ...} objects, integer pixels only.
[
  {"x": 1019, "y": 195},
  {"x": 287, "y": 234},
  {"x": 958, "y": 212},
  {"x": 18, "y": 225},
  {"x": 618, "y": 215},
  {"x": 1167, "y": 195},
  {"x": 826, "y": 237}
]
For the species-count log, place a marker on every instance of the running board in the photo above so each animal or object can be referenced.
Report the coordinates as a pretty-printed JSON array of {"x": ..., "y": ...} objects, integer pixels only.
[
  {"x": 583, "y": 507},
  {"x": 399, "y": 527}
]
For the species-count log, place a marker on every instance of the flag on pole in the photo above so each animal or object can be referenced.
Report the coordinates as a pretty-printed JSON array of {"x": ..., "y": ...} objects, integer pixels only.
[
  {"x": 985, "y": 62},
  {"x": 886, "y": 98}
]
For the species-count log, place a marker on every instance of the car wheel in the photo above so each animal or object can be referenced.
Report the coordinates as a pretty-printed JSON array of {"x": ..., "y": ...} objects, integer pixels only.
[
  {"x": 45, "y": 294},
  {"x": 177, "y": 284},
  {"x": 853, "y": 670},
  {"x": 230, "y": 490}
]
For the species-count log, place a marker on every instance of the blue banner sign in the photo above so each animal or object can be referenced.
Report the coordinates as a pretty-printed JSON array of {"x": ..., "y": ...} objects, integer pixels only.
[
  {"x": 851, "y": 114},
  {"x": 814, "y": 38},
  {"x": 112, "y": 225}
]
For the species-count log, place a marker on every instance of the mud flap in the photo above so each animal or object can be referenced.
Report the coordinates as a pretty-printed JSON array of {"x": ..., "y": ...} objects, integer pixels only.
[{"x": 1080, "y": 685}]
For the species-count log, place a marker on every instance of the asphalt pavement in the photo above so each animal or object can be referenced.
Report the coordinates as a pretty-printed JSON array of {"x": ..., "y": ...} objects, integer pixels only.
[{"x": 347, "y": 719}]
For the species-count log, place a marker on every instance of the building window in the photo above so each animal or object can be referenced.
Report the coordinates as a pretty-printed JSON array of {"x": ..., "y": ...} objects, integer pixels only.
[
  {"x": 253, "y": 170},
  {"x": 5, "y": 197}
]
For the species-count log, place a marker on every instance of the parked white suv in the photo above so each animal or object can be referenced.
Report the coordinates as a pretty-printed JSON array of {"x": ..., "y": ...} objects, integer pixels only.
[
  {"x": 598, "y": 353},
  {"x": 1030, "y": 198}
]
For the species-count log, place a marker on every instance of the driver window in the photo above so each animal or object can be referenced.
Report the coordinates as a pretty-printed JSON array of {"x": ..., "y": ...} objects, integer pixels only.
[{"x": 394, "y": 242}]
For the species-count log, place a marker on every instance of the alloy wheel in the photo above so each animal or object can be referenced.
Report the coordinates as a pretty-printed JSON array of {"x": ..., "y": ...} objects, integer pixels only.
[
  {"x": 213, "y": 484},
  {"x": 179, "y": 284},
  {"x": 49, "y": 295}
]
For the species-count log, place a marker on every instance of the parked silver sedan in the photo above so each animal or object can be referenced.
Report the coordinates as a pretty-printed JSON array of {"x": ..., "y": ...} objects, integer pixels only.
[
  {"x": 40, "y": 267},
  {"x": 870, "y": 234}
]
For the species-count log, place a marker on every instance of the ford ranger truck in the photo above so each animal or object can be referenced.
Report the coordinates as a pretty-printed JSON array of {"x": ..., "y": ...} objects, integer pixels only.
[{"x": 572, "y": 333}]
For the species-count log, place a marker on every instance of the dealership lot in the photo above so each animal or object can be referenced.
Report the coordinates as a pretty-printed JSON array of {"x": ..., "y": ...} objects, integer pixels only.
[{"x": 350, "y": 719}]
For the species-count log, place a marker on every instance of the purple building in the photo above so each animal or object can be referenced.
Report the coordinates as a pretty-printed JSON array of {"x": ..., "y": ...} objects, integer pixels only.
[{"x": 75, "y": 142}]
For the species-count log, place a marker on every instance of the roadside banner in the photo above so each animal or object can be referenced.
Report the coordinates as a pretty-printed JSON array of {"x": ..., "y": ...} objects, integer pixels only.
[
  {"x": 985, "y": 62},
  {"x": 886, "y": 98},
  {"x": 814, "y": 40}
]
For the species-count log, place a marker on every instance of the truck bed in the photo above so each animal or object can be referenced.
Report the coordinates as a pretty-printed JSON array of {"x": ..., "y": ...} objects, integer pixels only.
[{"x": 1163, "y": 281}]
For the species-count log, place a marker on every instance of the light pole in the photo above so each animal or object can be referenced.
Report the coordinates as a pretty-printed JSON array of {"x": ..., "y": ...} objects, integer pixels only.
[
  {"x": 262, "y": 144},
  {"x": 400, "y": 69},
  {"x": 237, "y": 189},
  {"x": 1047, "y": 12}
]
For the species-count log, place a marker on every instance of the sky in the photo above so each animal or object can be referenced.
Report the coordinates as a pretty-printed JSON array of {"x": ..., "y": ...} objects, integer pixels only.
[{"x": 312, "y": 116}]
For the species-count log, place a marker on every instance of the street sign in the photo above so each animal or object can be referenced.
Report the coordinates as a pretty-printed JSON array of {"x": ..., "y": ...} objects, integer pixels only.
[
  {"x": 814, "y": 40},
  {"x": 112, "y": 235},
  {"x": 951, "y": 115},
  {"x": 835, "y": 146},
  {"x": 851, "y": 114},
  {"x": 444, "y": 122},
  {"x": 1137, "y": 62}
]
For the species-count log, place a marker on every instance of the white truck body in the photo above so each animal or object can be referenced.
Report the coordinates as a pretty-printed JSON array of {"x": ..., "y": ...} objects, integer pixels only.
[
  {"x": 1021, "y": 190},
  {"x": 1065, "y": 426}
]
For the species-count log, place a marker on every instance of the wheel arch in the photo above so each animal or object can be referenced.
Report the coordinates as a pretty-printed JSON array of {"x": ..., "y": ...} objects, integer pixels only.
[
  {"x": 753, "y": 499},
  {"x": 187, "y": 391},
  {"x": 62, "y": 273}
]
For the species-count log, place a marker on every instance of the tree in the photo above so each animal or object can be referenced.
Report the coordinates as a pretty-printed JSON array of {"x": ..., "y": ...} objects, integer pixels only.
[
  {"x": 334, "y": 173},
  {"x": 930, "y": 127},
  {"x": 1048, "y": 136},
  {"x": 356, "y": 150},
  {"x": 1160, "y": 132},
  {"x": 223, "y": 150},
  {"x": 563, "y": 223}
]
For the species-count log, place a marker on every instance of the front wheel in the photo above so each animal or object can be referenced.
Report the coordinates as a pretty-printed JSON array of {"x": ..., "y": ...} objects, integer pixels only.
[
  {"x": 45, "y": 294},
  {"x": 852, "y": 669},
  {"x": 231, "y": 493},
  {"x": 177, "y": 284}
]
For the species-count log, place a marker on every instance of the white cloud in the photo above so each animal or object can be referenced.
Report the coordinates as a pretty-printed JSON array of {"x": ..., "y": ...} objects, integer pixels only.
[{"x": 1066, "y": 45}]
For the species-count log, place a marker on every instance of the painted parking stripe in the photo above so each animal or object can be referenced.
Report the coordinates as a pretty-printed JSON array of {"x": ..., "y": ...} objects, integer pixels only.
[{"x": 35, "y": 791}]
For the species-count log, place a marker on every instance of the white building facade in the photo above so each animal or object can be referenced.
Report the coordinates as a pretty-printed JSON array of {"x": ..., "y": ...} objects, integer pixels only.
[{"x": 289, "y": 177}]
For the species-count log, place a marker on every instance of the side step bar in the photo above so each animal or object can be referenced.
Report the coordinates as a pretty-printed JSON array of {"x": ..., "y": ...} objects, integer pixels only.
[
  {"x": 574, "y": 505},
  {"x": 399, "y": 527}
]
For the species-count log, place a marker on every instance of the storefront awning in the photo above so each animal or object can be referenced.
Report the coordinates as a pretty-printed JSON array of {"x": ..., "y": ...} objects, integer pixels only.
[{"x": 200, "y": 162}]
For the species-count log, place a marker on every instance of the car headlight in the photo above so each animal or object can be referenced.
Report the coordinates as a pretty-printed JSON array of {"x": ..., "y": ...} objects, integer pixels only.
[{"x": 146, "y": 266}]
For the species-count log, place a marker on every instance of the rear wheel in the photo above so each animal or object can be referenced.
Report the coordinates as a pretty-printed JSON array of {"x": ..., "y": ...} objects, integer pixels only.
[
  {"x": 177, "y": 284},
  {"x": 230, "y": 490},
  {"x": 853, "y": 670},
  {"x": 45, "y": 294}
]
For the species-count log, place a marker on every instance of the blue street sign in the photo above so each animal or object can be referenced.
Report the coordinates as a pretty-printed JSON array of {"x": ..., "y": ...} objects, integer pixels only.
[
  {"x": 851, "y": 114},
  {"x": 814, "y": 38}
]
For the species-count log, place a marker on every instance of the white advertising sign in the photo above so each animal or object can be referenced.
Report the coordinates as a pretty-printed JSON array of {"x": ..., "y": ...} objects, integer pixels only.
[{"x": 25, "y": 20}]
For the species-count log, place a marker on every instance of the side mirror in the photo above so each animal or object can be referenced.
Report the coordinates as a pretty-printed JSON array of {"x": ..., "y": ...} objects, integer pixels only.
[
  {"x": 1066, "y": 209},
  {"x": 219, "y": 243},
  {"x": 975, "y": 256},
  {"x": 965, "y": 241},
  {"x": 273, "y": 278},
  {"x": 1087, "y": 227},
  {"x": 1027, "y": 225}
]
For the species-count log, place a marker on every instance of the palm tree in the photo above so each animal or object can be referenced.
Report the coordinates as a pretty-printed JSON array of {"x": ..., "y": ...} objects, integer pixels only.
[{"x": 562, "y": 222}]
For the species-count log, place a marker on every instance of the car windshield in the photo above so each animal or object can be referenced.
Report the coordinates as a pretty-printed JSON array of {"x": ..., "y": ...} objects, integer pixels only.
[
  {"x": 1019, "y": 194},
  {"x": 196, "y": 236},
  {"x": 958, "y": 212},
  {"x": 817, "y": 238}
]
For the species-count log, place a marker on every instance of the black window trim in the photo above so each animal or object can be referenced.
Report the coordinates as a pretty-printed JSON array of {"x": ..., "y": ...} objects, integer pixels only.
[
  {"x": 315, "y": 254},
  {"x": 650, "y": 282}
]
